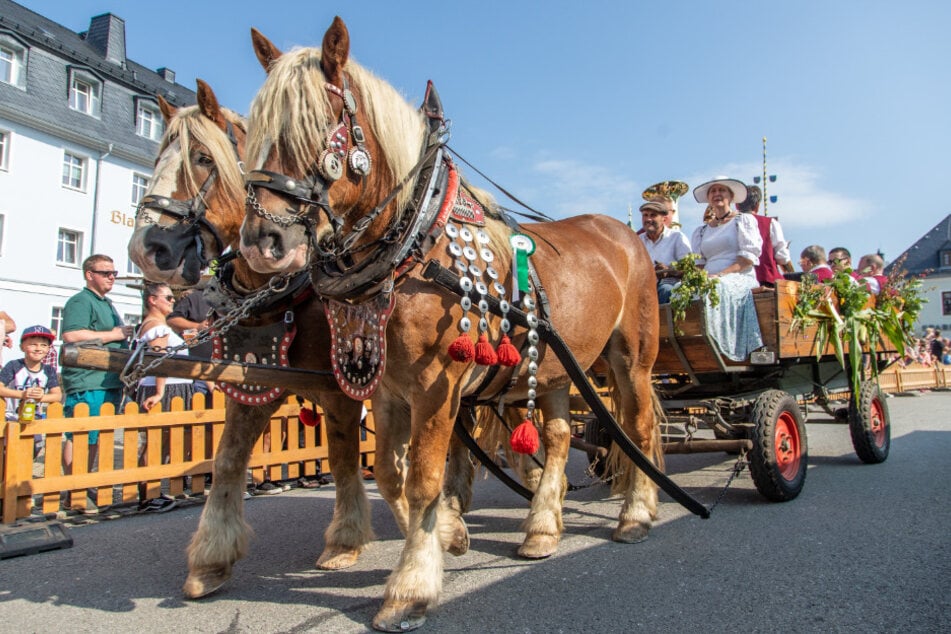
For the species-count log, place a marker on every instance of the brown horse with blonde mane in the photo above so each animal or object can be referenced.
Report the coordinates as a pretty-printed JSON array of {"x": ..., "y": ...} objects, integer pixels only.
[
  {"x": 350, "y": 181},
  {"x": 193, "y": 209}
]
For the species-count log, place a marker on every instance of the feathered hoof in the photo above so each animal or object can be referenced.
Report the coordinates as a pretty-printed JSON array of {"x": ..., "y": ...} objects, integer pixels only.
[
  {"x": 631, "y": 532},
  {"x": 458, "y": 543},
  {"x": 337, "y": 558},
  {"x": 203, "y": 582},
  {"x": 400, "y": 616},
  {"x": 538, "y": 546}
]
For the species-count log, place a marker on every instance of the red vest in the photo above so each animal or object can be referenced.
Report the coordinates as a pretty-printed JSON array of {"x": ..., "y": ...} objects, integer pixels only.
[{"x": 767, "y": 271}]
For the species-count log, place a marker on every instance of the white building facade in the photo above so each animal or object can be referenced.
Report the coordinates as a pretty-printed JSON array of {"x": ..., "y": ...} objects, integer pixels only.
[{"x": 79, "y": 131}]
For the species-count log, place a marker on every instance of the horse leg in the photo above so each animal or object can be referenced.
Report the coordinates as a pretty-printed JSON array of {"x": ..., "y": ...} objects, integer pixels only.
[
  {"x": 457, "y": 496},
  {"x": 389, "y": 466},
  {"x": 222, "y": 535},
  {"x": 635, "y": 393},
  {"x": 416, "y": 582},
  {"x": 350, "y": 529},
  {"x": 543, "y": 525}
]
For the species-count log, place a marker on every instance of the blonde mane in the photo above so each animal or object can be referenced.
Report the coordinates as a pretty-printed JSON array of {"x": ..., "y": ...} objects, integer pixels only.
[
  {"x": 293, "y": 106},
  {"x": 191, "y": 127}
]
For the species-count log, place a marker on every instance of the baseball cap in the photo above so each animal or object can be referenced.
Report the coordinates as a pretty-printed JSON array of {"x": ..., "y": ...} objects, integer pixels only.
[{"x": 38, "y": 331}]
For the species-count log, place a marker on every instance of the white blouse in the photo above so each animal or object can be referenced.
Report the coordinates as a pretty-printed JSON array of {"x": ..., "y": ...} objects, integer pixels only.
[
  {"x": 157, "y": 332},
  {"x": 720, "y": 246}
]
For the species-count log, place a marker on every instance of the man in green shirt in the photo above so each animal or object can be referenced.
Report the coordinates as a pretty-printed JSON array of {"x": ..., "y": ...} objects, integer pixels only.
[{"x": 90, "y": 315}]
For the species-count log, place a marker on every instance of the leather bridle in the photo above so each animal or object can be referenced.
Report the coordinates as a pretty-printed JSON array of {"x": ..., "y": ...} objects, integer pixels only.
[{"x": 191, "y": 212}]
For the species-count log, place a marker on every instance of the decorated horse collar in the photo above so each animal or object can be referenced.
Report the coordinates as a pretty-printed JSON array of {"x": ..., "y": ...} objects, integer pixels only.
[{"x": 225, "y": 294}]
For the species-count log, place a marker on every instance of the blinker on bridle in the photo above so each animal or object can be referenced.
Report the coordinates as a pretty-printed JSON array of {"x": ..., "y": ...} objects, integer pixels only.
[{"x": 191, "y": 212}]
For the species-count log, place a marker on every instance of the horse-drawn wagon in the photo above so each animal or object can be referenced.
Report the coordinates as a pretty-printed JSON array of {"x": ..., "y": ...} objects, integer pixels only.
[{"x": 760, "y": 406}]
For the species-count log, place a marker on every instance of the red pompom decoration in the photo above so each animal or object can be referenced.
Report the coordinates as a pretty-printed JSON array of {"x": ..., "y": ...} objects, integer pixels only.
[
  {"x": 525, "y": 438},
  {"x": 462, "y": 349},
  {"x": 484, "y": 354},
  {"x": 309, "y": 416},
  {"x": 507, "y": 353}
]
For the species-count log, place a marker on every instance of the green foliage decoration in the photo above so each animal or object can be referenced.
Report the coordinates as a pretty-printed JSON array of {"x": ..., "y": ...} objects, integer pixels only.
[{"x": 694, "y": 283}]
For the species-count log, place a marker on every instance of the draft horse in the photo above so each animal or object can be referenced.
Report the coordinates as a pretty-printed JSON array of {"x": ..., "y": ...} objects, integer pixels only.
[
  {"x": 192, "y": 210},
  {"x": 349, "y": 181}
]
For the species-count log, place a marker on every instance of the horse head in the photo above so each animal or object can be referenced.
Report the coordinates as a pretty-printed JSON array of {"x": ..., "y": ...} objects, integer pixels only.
[
  {"x": 328, "y": 144},
  {"x": 193, "y": 208}
]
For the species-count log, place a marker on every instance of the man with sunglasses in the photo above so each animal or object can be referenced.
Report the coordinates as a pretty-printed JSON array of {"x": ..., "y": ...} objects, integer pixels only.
[{"x": 90, "y": 315}]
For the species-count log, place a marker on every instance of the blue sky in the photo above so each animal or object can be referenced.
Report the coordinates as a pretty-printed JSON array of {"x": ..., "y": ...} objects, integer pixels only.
[{"x": 578, "y": 106}]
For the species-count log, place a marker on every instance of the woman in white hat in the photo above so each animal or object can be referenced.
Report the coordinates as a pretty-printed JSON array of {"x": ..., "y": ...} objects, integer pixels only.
[{"x": 729, "y": 245}]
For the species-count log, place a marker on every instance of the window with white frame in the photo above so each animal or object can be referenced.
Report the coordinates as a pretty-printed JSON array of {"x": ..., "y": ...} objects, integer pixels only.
[
  {"x": 56, "y": 320},
  {"x": 148, "y": 121},
  {"x": 3, "y": 225},
  {"x": 12, "y": 62},
  {"x": 946, "y": 303},
  {"x": 74, "y": 171},
  {"x": 140, "y": 185},
  {"x": 69, "y": 245},
  {"x": 132, "y": 269},
  {"x": 4, "y": 149},
  {"x": 85, "y": 93}
]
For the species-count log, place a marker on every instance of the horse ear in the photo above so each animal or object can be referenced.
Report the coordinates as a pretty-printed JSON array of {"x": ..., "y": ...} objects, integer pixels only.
[
  {"x": 335, "y": 50},
  {"x": 208, "y": 104},
  {"x": 266, "y": 51},
  {"x": 168, "y": 110}
]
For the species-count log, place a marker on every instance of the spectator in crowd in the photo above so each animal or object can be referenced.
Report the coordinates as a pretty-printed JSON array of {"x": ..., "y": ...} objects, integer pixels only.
[
  {"x": 664, "y": 244},
  {"x": 872, "y": 271},
  {"x": 729, "y": 247},
  {"x": 936, "y": 347},
  {"x": 192, "y": 314},
  {"x": 89, "y": 315},
  {"x": 774, "y": 258},
  {"x": 7, "y": 325},
  {"x": 813, "y": 261},
  {"x": 154, "y": 332},
  {"x": 840, "y": 260},
  {"x": 31, "y": 379}
]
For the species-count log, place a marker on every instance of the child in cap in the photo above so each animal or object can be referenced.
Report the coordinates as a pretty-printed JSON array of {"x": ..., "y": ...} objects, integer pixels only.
[{"x": 29, "y": 377}]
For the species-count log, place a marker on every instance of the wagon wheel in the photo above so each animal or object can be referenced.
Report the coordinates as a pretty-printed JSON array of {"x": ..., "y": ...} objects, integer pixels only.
[
  {"x": 869, "y": 424},
  {"x": 780, "y": 453}
]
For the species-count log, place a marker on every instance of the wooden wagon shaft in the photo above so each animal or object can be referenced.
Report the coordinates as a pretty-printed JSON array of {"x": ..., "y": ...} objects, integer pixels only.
[{"x": 101, "y": 358}]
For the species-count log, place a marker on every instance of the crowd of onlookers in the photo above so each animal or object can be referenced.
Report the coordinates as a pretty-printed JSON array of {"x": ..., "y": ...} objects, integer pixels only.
[{"x": 930, "y": 350}]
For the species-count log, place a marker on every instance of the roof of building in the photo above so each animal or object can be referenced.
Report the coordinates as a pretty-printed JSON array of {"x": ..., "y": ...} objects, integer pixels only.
[{"x": 925, "y": 254}]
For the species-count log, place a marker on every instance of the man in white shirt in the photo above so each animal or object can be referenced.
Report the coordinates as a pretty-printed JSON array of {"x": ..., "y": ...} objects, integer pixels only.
[{"x": 665, "y": 245}]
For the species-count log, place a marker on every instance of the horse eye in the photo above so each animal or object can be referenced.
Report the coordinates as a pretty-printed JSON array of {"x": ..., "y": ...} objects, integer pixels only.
[{"x": 205, "y": 161}]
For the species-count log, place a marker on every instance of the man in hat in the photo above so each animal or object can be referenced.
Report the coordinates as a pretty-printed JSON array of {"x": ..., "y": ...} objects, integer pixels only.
[
  {"x": 664, "y": 244},
  {"x": 667, "y": 192},
  {"x": 774, "y": 258}
]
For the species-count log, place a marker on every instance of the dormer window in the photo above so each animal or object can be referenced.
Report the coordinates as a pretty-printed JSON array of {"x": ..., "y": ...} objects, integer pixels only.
[
  {"x": 148, "y": 120},
  {"x": 85, "y": 92},
  {"x": 12, "y": 61},
  {"x": 945, "y": 259}
]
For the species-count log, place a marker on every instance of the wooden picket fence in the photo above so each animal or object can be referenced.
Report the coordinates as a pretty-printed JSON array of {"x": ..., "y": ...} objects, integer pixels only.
[{"x": 287, "y": 450}]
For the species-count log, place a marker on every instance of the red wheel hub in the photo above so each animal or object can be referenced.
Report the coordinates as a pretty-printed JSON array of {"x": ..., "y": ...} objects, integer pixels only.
[
  {"x": 876, "y": 422},
  {"x": 787, "y": 446}
]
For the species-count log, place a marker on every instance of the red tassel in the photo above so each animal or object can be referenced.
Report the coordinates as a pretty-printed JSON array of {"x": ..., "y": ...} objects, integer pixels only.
[
  {"x": 484, "y": 354},
  {"x": 309, "y": 416},
  {"x": 524, "y": 438},
  {"x": 507, "y": 353},
  {"x": 462, "y": 349}
]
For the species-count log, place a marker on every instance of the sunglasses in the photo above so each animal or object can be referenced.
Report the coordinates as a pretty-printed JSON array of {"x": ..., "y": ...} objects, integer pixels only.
[
  {"x": 168, "y": 298},
  {"x": 106, "y": 273}
]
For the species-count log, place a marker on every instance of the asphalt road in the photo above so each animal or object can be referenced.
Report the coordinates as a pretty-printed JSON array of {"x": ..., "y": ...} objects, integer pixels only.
[{"x": 864, "y": 548}]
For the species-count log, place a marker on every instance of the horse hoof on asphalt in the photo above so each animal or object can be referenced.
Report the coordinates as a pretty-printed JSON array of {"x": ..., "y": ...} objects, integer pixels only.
[
  {"x": 202, "y": 583},
  {"x": 630, "y": 532},
  {"x": 538, "y": 546},
  {"x": 337, "y": 558},
  {"x": 400, "y": 616}
]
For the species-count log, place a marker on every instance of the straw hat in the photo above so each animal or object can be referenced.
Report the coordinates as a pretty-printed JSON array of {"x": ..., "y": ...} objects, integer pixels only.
[{"x": 735, "y": 186}]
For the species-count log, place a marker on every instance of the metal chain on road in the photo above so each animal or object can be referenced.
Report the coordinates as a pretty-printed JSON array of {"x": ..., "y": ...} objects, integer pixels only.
[
  {"x": 135, "y": 370},
  {"x": 738, "y": 467}
]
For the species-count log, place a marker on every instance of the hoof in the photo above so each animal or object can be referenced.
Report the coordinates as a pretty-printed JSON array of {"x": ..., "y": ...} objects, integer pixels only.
[
  {"x": 458, "y": 541},
  {"x": 337, "y": 558},
  {"x": 631, "y": 532},
  {"x": 204, "y": 582},
  {"x": 400, "y": 616},
  {"x": 538, "y": 546}
]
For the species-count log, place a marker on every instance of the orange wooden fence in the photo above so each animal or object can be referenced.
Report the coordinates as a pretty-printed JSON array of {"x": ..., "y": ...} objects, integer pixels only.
[{"x": 287, "y": 449}]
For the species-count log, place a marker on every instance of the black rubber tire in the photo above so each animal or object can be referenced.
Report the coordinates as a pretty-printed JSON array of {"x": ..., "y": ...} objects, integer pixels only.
[
  {"x": 869, "y": 424},
  {"x": 780, "y": 454}
]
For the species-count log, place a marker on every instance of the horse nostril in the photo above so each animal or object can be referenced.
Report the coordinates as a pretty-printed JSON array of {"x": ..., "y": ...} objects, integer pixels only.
[{"x": 272, "y": 240}]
